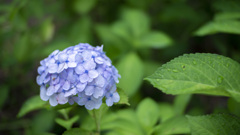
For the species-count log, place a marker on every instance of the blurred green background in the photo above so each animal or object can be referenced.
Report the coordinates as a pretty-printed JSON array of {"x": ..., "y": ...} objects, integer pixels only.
[{"x": 138, "y": 36}]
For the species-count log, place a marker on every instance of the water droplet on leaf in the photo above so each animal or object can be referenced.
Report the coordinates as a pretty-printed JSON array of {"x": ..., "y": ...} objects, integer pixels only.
[
  {"x": 183, "y": 67},
  {"x": 175, "y": 71}
]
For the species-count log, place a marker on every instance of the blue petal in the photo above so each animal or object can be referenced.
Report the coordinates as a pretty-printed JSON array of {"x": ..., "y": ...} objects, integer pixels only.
[
  {"x": 52, "y": 68},
  {"x": 99, "y": 60},
  {"x": 43, "y": 94},
  {"x": 84, "y": 78},
  {"x": 89, "y": 65},
  {"x": 93, "y": 74},
  {"x": 90, "y": 105},
  {"x": 62, "y": 57},
  {"x": 53, "y": 100},
  {"x": 61, "y": 67},
  {"x": 62, "y": 99},
  {"x": 89, "y": 90},
  {"x": 50, "y": 90},
  {"x": 70, "y": 100},
  {"x": 116, "y": 97},
  {"x": 79, "y": 69},
  {"x": 109, "y": 101},
  {"x": 98, "y": 92},
  {"x": 41, "y": 69},
  {"x": 100, "y": 81},
  {"x": 66, "y": 85},
  {"x": 72, "y": 64},
  {"x": 70, "y": 92},
  {"x": 86, "y": 55},
  {"x": 56, "y": 88},
  {"x": 81, "y": 86}
]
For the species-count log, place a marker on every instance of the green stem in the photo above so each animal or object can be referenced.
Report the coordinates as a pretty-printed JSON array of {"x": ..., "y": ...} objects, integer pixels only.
[{"x": 97, "y": 121}]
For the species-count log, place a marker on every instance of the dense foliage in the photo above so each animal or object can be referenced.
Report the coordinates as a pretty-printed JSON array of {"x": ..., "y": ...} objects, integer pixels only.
[{"x": 178, "y": 61}]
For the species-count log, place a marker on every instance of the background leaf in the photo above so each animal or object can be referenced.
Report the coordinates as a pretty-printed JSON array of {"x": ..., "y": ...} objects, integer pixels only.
[
  {"x": 77, "y": 131},
  {"x": 138, "y": 21},
  {"x": 199, "y": 73},
  {"x": 180, "y": 103},
  {"x": 31, "y": 104},
  {"x": 226, "y": 26},
  {"x": 4, "y": 95},
  {"x": 154, "y": 39},
  {"x": 175, "y": 125},
  {"x": 67, "y": 123},
  {"x": 147, "y": 113},
  {"x": 214, "y": 124},
  {"x": 131, "y": 70}
]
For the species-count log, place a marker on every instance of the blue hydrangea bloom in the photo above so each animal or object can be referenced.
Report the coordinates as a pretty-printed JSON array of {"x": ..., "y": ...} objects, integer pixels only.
[{"x": 81, "y": 74}]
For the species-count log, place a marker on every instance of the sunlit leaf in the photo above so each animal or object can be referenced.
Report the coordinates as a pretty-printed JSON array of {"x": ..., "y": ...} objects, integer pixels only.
[
  {"x": 214, "y": 124},
  {"x": 199, "y": 73},
  {"x": 131, "y": 70}
]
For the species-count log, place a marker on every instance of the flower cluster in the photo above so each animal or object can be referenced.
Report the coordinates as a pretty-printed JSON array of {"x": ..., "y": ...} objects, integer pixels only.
[{"x": 81, "y": 74}]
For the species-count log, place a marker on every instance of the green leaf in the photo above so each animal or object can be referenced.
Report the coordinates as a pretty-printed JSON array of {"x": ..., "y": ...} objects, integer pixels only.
[
  {"x": 83, "y": 6},
  {"x": 199, "y": 73},
  {"x": 57, "y": 44},
  {"x": 223, "y": 26},
  {"x": 121, "y": 29},
  {"x": 147, "y": 113},
  {"x": 214, "y": 124},
  {"x": 80, "y": 31},
  {"x": 4, "y": 94},
  {"x": 123, "y": 97},
  {"x": 77, "y": 131},
  {"x": 21, "y": 47},
  {"x": 233, "y": 106},
  {"x": 125, "y": 121},
  {"x": 180, "y": 103},
  {"x": 31, "y": 104},
  {"x": 154, "y": 39},
  {"x": 131, "y": 70},
  {"x": 43, "y": 121},
  {"x": 166, "y": 111},
  {"x": 175, "y": 125},
  {"x": 150, "y": 67},
  {"x": 47, "y": 29},
  {"x": 67, "y": 123},
  {"x": 109, "y": 38},
  {"x": 227, "y": 16},
  {"x": 138, "y": 21}
]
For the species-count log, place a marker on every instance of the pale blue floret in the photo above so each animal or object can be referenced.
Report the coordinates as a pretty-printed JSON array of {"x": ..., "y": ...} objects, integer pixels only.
[{"x": 81, "y": 74}]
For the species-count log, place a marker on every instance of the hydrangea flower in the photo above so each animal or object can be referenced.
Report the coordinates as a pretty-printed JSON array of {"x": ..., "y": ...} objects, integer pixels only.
[{"x": 81, "y": 74}]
